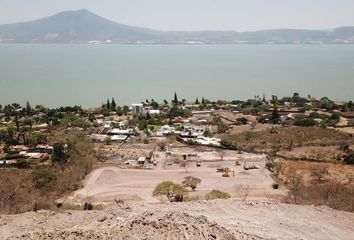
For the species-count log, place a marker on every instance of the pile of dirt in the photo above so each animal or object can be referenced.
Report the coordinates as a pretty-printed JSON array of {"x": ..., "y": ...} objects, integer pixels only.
[
  {"x": 148, "y": 225},
  {"x": 173, "y": 225},
  {"x": 216, "y": 219}
]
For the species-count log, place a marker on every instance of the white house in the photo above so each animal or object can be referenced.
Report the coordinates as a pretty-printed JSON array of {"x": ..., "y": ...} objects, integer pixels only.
[
  {"x": 137, "y": 108},
  {"x": 166, "y": 129}
]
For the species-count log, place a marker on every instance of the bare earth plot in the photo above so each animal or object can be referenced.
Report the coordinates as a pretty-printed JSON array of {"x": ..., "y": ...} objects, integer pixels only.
[{"x": 106, "y": 184}]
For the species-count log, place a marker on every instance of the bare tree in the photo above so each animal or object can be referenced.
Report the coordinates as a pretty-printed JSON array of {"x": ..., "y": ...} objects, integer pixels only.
[
  {"x": 191, "y": 182},
  {"x": 243, "y": 191},
  {"x": 320, "y": 173},
  {"x": 221, "y": 154}
]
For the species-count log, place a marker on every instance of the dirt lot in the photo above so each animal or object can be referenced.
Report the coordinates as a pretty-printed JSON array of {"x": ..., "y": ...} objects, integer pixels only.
[
  {"x": 106, "y": 184},
  {"x": 218, "y": 219}
]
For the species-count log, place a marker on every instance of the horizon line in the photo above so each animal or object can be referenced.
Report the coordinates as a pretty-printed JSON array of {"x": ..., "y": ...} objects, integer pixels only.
[{"x": 165, "y": 30}]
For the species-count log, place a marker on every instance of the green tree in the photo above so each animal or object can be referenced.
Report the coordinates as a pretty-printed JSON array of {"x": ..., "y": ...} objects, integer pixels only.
[
  {"x": 113, "y": 105},
  {"x": 108, "y": 141},
  {"x": 275, "y": 115},
  {"x": 22, "y": 164},
  {"x": 170, "y": 189},
  {"x": 125, "y": 109},
  {"x": 197, "y": 101},
  {"x": 108, "y": 104},
  {"x": 175, "y": 99},
  {"x": 17, "y": 124},
  {"x": 28, "y": 108},
  {"x": 43, "y": 177},
  {"x": 59, "y": 153},
  {"x": 154, "y": 104}
]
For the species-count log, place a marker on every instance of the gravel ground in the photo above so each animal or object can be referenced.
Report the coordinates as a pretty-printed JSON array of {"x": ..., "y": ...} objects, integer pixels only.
[
  {"x": 218, "y": 219},
  {"x": 105, "y": 185}
]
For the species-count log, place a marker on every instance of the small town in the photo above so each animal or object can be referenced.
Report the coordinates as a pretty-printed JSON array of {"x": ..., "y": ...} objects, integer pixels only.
[{"x": 277, "y": 149}]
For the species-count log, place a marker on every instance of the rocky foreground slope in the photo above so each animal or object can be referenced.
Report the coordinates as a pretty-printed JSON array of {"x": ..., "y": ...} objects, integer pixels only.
[{"x": 219, "y": 219}]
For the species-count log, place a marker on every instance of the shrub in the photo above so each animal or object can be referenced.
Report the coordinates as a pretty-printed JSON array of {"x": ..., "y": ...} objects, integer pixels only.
[
  {"x": 22, "y": 164},
  {"x": 320, "y": 173},
  {"x": 108, "y": 140},
  {"x": 274, "y": 166},
  {"x": 217, "y": 194},
  {"x": 275, "y": 185},
  {"x": 162, "y": 145},
  {"x": 349, "y": 159},
  {"x": 241, "y": 121},
  {"x": 305, "y": 122},
  {"x": 43, "y": 177},
  {"x": 58, "y": 153}
]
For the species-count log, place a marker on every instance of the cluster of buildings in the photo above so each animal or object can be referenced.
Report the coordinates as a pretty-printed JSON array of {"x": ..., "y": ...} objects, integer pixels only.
[
  {"x": 113, "y": 131},
  {"x": 39, "y": 153}
]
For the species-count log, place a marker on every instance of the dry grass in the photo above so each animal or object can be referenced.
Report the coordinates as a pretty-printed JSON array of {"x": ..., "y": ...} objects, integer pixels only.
[
  {"x": 318, "y": 184},
  {"x": 278, "y": 138},
  {"x": 18, "y": 192}
]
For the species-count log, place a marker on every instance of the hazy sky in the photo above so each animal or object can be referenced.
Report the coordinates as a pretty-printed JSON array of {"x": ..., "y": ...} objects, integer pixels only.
[{"x": 239, "y": 15}]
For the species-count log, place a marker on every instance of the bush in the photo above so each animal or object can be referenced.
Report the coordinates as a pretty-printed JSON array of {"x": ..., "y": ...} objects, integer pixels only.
[
  {"x": 241, "y": 121},
  {"x": 305, "y": 122},
  {"x": 58, "y": 153},
  {"x": 217, "y": 194},
  {"x": 43, "y": 177},
  {"x": 320, "y": 173},
  {"x": 274, "y": 166},
  {"x": 275, "y": 185},
  {"x": 349, "y": 159},
  {"x": 22, "y": 164}
]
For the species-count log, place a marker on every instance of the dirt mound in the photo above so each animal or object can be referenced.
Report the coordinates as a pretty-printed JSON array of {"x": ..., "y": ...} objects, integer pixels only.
[
  {"x": 216, "y": 219},
  {"x": 173, "y": 225},
  {"x": 148, "y": 225}
]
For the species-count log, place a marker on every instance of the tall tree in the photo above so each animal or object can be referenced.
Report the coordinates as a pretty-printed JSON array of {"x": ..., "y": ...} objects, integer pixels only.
[
  {"x": 197, "y": 101},
  {"x": 113, "y": 105},
  {"x": 17, "y": 124},
  {"x": 175, "y": 100},
  {"x": 28, "y": 108},
  {"x": 275, "y": 114},
  {"x": 108, "y": 105}
]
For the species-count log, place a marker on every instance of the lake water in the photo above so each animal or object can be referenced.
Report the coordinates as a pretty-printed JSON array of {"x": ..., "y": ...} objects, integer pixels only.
[{"x": 87, "y": 75}]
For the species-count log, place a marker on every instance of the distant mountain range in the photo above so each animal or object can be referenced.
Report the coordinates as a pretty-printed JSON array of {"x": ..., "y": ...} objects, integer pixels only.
[{"x": 84, "y": 26}]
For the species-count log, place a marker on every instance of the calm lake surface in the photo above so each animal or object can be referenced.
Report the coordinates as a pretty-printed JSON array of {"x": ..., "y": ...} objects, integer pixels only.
[{"x": 87, "y": 75}]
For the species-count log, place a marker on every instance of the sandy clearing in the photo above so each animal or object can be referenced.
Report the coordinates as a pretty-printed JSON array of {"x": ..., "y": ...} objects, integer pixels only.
[{"x": 106, "y": 184}]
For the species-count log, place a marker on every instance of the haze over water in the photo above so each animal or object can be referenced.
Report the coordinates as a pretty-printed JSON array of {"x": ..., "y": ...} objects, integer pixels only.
[{"x": 56, "y": 75}]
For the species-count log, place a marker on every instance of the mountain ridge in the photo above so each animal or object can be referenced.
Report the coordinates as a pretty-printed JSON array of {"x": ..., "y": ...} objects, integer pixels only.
[{"x": 83, "y": 26}]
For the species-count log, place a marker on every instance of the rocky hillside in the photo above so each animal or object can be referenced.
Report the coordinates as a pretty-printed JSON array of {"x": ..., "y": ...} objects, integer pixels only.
[{"x": 219, "y": 219}]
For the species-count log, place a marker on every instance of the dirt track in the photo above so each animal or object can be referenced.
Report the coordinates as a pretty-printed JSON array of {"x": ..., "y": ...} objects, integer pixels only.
[{"x": 218, "y": 219}]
